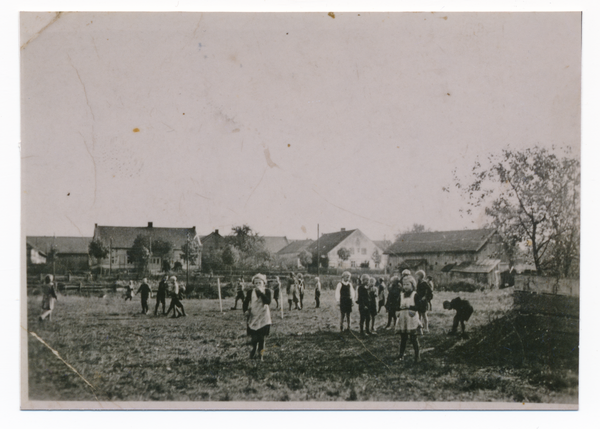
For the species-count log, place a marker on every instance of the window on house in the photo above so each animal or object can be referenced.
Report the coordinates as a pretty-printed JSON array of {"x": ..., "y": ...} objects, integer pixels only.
[
  {"x": 341, "y": 264},
  {"x": 363, "y": 251},
  {"x": 353, "y": 264},
  {"x": 352, "y": 250},
  {"x": 129, "y": 260}
]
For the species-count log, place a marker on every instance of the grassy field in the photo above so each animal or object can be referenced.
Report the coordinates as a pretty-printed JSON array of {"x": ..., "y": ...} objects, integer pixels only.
[{"x": 128, "y": 356}]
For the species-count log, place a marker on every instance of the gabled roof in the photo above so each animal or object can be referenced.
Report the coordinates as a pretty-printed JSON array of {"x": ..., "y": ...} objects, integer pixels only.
[
  {"x": 213, "y": 236},
  {"x": 383, "y": 244},
  {"x": 64, "y": 245},
  {"x": 124, "y": 236},
  {"x": 328, "y": 241},
  {"x": 275, "y": 244},
  {"x": 295, "y": 247},
  {"x": 477, "y": 267},
  {"x": 468, "y": 240}
]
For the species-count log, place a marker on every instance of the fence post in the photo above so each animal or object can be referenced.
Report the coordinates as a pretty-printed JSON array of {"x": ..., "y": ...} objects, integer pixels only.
[{"x": 219, "y": 287}]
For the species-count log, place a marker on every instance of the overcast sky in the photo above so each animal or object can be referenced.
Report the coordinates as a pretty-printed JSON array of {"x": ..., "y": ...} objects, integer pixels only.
[{"x": 282, "y": 121}]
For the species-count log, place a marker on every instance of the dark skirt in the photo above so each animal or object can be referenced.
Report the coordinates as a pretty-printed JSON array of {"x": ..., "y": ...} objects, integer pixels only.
[
  {"x": 346, "y": 305},
  {"x": 276, "y": 294},
  {"x": 261, "y": 332}
]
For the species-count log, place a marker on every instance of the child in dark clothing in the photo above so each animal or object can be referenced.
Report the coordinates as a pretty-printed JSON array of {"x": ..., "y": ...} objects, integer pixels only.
[
  {"x": 392, "y": 304},
  {"x": 463, "y": 313},
  {"x": 239, "y": 293},
  {"x": 363, "y": 304},
  {"x": 161, "y": 295},
  {"x": 373, "y": 299},
  {"x": 50, "y": 297},
  {"x": 129, "y": 291},
  {"x": 145, "y": 290},
  {"x": 381, "y": 293},
  {"x": 275, "y": 285}
]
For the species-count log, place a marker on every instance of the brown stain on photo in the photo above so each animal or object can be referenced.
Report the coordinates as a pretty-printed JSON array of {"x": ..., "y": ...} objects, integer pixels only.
[
  {"x": 136, "y": 130},
  {"x": 331, "y": 14}
]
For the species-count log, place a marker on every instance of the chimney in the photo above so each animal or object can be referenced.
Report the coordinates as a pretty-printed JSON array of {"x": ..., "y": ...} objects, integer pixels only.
[
  {"x": 149, "y": 224},
  {"x": 216, "y": 231},
  {"x": 95, "y": 225},
  {"x": 343, "y": 229}
]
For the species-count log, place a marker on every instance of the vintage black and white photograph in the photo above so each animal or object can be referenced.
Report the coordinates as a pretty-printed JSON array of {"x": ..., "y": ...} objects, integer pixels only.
[{"x": 325, "y": 210}]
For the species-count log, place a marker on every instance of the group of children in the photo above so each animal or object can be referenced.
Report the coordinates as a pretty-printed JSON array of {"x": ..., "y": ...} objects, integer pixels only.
[
  {"x": 407, "y": 303},
  {"x": 167, "y": 286}
]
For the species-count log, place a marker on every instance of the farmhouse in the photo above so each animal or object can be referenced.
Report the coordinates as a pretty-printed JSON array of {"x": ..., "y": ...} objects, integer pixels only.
[
  {"x": 275, "y": 244},
  {"x": 477, "y": 254},
  {"x": 72, "y": 251},
  {"x": 360, "y": 247},
  {"x": 119, "y": 239},
  {"x": 290, "y": 254},
  {"x": 212, "y": 243}
]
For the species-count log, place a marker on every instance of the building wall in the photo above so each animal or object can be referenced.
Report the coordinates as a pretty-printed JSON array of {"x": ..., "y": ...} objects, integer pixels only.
[
  {"x": 120, "y": 260},
  {"x": 493, "y": 249},
  {"x": 361, "y": 248}
]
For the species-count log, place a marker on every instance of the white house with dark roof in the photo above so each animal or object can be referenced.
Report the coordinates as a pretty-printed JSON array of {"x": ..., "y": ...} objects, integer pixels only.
[
  {"x": 120, "y": 240},
  {"x": 360, "y": 246}
]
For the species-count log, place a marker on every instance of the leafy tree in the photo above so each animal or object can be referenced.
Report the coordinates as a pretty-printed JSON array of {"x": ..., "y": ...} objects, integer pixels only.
[
  {"x": 376, "y": 257},
  {"x": 250, "y": 246},
  {"x": 162, "y": 249},
  {"x": 364, "y": 264},
  {"x": 532, "y": 197},
  {"x": 343, "y": 253},
  {"x": 98, "y": 249},
  {"x": 140, "y": 253},
  {"x": 306, "y": 258},
  {"x": 190, "y": 250},
  {"x": 230, "y": 256}
]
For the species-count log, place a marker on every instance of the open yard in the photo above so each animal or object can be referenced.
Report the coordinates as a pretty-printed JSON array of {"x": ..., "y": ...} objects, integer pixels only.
[{"x": 128, "y": 356}]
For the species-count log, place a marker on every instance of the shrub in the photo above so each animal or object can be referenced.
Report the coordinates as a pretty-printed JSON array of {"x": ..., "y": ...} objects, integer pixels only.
[{"x": 463, "y": 285}]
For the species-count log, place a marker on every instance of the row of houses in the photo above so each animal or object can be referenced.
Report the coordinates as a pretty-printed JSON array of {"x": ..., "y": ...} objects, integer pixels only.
[{"x": 478, "y": 254}]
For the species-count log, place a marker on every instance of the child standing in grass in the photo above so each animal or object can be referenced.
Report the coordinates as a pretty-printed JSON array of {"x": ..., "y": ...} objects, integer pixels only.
[
  {"x": 424, "y": 297},
  {"x": 373, "y": 299},
  {"x": 392, "y": 304},
  {"x": 256, "y": 309},
  {"x": 363, "y": 304},
  {"x": 161, "y": 295},
  {"x": 129, "y": 291},
  {"x": 292, "y": 292},
  {"x": 408, "y": 318},
  {"x": 239, "y": 296},
  {"x": 381, "y": 293},
  {"x": 276, "y": 291},
  {"x": 344, "y": 295},
  {"x": 176, "y": 304},
  {"x": 145, "y": 291},
  {"x": 49, "y": 299},
  {"x": 317, "y": 292}
]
